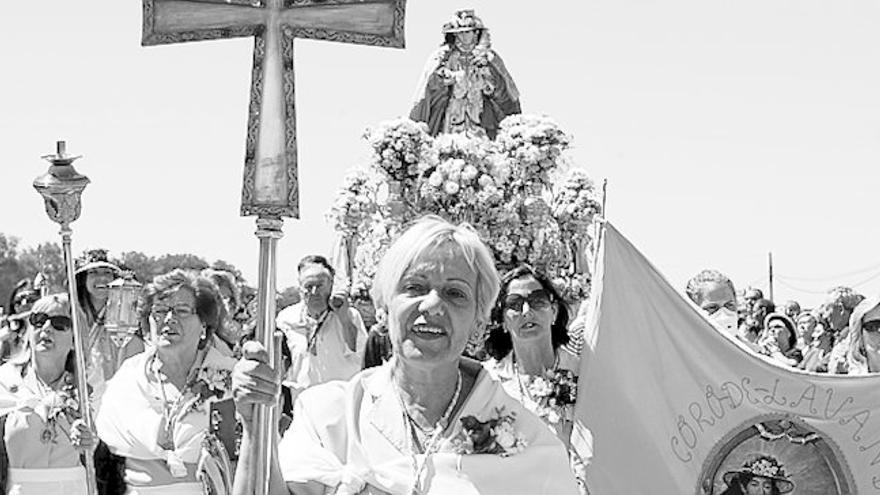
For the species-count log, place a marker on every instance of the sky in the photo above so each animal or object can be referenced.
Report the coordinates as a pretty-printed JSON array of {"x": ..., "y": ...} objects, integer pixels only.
[{"x": 726, "y": 130}]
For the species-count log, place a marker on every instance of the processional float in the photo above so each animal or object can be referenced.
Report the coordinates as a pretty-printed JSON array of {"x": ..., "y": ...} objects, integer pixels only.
[{"x": 270, "y": 187}]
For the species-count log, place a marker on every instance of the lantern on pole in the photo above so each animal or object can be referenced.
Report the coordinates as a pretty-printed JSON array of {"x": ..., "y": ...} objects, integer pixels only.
[
  {"x": 121, "y": 317},
  {"x": 61, "y": 188}
]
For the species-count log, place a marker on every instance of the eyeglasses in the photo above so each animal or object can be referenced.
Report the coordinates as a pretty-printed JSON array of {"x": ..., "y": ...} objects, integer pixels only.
[
  {"x": 538, "y": 299},
  {"x": 58, "y": 322},
  {"x": 871, "y": 326},
  {"x": 179, "y": 312}
]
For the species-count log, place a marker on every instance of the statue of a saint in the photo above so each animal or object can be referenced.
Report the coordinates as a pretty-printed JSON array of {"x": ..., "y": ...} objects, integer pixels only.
[{"x": 465, "y": 86}]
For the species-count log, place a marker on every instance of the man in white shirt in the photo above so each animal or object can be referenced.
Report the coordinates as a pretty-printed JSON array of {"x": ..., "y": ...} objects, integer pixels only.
[{"x": 326, "y": 337}]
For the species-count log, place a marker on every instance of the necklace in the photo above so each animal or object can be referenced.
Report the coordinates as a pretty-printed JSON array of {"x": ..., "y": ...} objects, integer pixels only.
[
  {"x": 169, "y": 409},
  {"x": 523, "y": 390},
  {"x": 49, "y": 433},
  {"x": 432, "y": 440}
]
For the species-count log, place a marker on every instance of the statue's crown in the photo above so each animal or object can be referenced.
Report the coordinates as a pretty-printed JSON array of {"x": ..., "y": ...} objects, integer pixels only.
[{"x": 463, "y": 20}]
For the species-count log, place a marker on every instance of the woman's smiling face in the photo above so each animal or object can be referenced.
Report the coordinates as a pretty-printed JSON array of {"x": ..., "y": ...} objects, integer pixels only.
[{"x": 433, "y": 309}]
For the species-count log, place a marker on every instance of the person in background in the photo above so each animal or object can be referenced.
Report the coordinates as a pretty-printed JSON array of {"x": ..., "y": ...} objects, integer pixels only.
[
  {"x": 325, "y": 335},
  {"x": 806, "y": 324},
  {"x": 12, "y": 339},
  {"x": 779, "y": 339},
  {"x": 93, "y": 274},
  {"x": 751, "y": 296},
  {"x": 753, "y": 326},
  {"x": 863, "y": 354},
  {"x": 714, "y": 293},
  {"x": 790, "y": 309},
  {"x": 229, "y": 334}
]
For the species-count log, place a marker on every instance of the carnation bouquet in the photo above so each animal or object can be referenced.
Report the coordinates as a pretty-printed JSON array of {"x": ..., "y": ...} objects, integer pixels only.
[
  {"x": 554, "y": 394},
  {"x": 495, "y": 435}
]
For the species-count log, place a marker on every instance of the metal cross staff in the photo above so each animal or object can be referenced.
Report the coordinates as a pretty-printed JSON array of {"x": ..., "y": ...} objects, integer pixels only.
[{"x": 270, "y": 188}]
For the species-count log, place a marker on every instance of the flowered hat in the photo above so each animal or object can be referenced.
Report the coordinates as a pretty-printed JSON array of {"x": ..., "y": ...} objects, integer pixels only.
[
  {"x": 92, "y": 260},
  {"x": 463, "y": 20},
  {"x": 764, "y": 466}
]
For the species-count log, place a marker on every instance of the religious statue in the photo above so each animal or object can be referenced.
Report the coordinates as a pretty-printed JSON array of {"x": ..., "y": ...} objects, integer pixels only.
[{"x": 465, "y": 86}]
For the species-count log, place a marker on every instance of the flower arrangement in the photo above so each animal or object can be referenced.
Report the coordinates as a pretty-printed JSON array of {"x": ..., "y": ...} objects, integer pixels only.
[
  {"x": 533, "y": 144},
  {"x": 210, "y": 382},
  {"x": 56, "y": 404},
  {"x": 460, "y": 185},
  {"x": 401, "y": 148},
  {"x": 503, "y": 188},
  {"x": 554, "y": 393},
  {"x": 495, "y": 435},
  {"x": 354, "y": 203},
  {"x": 575, "y": 204}
]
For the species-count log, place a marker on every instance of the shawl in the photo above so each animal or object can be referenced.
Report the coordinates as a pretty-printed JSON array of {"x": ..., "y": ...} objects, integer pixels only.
[
  {"x": 352, "y": 436},
  {"x": 130, "y": 418}
]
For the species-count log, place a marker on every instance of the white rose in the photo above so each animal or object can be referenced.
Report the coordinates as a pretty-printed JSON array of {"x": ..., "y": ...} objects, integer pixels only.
[
  {"x": 451, "y": 187},
  {"x": 436, "y": 179}
]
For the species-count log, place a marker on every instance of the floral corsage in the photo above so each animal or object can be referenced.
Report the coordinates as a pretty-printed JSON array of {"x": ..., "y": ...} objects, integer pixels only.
[
  {"x": 554, "y": 394},
  {"x": 492, "y": 436},
  {"x": 211, "y": 383}
]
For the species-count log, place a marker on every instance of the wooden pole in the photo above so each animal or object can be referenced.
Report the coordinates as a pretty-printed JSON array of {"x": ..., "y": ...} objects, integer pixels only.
[{"x": 770, "y": 273}]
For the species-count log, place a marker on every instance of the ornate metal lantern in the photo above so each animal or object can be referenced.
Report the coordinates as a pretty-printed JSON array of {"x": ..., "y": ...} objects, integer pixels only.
[
  {"x": 61, "y": 188},
  {"x": 121, "y": 318}
]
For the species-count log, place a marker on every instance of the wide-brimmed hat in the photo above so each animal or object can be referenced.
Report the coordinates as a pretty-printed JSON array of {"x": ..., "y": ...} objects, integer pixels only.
[
  {"x": 93, "y": 260},
  {"x": 766, "y": 467},
  {"x": 463, "y": 20}
]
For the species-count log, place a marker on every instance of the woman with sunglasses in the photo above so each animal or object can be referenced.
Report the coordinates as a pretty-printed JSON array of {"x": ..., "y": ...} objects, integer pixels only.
[
  {"x": 42, "y": 435},
  {"x": 156, "y": 409},
  {"x": 863, "y": 354},
  {"x": 526, "y": 342},
  {"x": 527, "y": 337}
]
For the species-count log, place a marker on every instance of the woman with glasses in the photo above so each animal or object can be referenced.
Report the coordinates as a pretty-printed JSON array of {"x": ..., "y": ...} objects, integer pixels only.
[
  {"x": 526, "y": 343},
  {"x": 863, "y": 353},
  {"x": 527, "y": 339},
  {"x": 42, "y": 435},
  {"x": 155, "y": 411}
]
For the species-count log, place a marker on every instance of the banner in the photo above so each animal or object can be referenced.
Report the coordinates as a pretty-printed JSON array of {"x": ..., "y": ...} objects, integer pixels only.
[{"x": 677, "y": 407}]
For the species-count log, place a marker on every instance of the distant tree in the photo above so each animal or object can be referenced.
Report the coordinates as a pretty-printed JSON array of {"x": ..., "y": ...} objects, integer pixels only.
[
  {"x": 229, "y": 267},
  {"x": 141, "y": 264},
  {"x": 168, "y": 262},
  {"x": 48, "y": 259},
  {"x": 10, "y": 268}
]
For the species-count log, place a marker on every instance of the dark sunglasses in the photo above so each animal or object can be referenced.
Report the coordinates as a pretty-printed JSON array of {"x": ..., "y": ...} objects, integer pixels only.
[
  {"x": 60, "y": 323},
  {"x": 538, "y": 299},
  {"x": 871, "y": 326}
]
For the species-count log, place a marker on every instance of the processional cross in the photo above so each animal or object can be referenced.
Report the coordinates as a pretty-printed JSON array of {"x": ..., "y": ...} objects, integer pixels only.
[{"x": 270, "y": 187}]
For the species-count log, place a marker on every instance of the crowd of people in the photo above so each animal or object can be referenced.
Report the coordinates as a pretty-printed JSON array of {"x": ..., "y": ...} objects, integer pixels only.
[
  {"x": 376, "y": 389},
  {"x": 839, "y": 336}
]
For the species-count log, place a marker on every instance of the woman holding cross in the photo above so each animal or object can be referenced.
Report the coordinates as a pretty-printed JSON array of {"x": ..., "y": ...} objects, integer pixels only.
[{"x": 427, "y": 421}]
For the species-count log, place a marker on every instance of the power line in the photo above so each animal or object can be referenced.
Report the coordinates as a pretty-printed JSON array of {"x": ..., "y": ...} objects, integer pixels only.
[{"x": 832, "y": 277}]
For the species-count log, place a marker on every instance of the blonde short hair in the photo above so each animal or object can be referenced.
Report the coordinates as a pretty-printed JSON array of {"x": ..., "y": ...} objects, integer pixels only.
[{"x": 430, "y": 232}]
